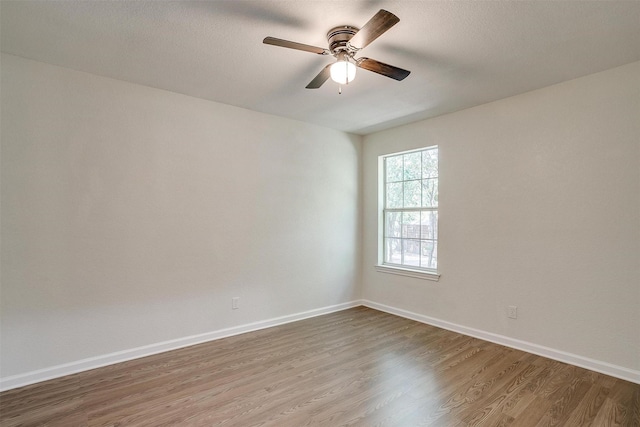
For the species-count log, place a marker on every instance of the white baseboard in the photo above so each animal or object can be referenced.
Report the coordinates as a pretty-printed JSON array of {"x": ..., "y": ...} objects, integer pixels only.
[
  {"x": 32, "y": 377},
  {"x": 559, "y": 355}
]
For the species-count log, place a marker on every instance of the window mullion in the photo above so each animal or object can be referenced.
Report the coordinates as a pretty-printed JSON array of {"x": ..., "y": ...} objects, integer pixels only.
[{"x": 434, "y": 209}]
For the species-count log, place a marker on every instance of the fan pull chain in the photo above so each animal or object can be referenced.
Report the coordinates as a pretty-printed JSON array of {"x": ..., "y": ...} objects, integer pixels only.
[
  {"x": 346, "y": 74},
  {"x": 346, "y": 69}
]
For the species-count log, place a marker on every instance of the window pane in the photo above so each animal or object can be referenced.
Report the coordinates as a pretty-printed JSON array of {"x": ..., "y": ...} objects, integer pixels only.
[
  {"x": 392, "y": 251},
  {"x": 394, "y": 195},
  {"x": 430, "y": 192},
  {"x": 411, "y": 225},
  {"x": 394, "y": 168},
  {"x": 411, "y": 252},
  {"x": 412, "y": 194},
  {"x": 430, "y": 164},
  {"x": 412, "y": 166},
  {"x": 429, "y": 225},
  {"x": 429, "y": 254},
  {"x": 393, "y": 224}
]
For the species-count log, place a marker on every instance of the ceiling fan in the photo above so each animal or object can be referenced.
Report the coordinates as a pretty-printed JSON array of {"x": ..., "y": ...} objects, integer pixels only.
[{"x": 344, "y": 42}]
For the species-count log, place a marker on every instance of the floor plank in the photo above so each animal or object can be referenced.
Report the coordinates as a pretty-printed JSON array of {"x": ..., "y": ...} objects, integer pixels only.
[{"x": 357, "y": 367}]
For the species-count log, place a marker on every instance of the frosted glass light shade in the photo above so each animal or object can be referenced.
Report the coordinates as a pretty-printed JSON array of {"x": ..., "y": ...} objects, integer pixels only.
[{"x": 343, "y": 72}]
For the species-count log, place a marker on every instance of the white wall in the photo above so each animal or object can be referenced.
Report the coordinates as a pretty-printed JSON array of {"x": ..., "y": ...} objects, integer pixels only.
[
  {"x": 131, "y": 216},
  {"x": 539, "y": 208}
]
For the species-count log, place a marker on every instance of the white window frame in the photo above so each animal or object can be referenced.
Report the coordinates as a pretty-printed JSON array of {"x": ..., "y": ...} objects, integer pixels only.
[{"x": 382, "y": 266}]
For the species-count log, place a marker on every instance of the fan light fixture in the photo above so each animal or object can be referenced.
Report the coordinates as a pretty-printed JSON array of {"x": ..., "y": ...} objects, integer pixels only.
[{"x": 343, "y": 72}]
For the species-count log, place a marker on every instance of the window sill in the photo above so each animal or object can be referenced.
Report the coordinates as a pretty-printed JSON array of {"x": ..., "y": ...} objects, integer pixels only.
[{"x": 418, "y": 274}]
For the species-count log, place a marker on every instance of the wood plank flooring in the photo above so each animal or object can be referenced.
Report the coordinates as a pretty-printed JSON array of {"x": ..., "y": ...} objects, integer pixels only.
[{"x": 358, "y": 367}]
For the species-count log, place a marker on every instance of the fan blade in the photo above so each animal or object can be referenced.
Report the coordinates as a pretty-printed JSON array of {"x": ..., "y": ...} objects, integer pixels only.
[
  {"x": 382, "y": 68},
  {"x": 322, "y": 77},
  {"x": 293, "y": 45},
  {"x": 381, "y": 22}
]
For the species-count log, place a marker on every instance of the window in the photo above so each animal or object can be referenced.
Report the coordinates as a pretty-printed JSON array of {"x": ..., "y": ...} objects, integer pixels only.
[{"x": 409, "y": 190}]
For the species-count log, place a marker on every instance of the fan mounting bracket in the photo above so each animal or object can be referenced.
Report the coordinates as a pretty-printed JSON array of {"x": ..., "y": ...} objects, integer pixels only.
[{"x": 338, "y": 38}]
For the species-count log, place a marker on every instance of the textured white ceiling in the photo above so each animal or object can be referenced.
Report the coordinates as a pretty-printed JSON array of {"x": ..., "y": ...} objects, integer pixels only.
[{"x": 460, "y": 54}]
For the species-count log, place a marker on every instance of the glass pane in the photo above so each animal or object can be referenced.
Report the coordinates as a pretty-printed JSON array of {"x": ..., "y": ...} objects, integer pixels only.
[
  {"x": 392, "y": 251},
  {"x": 412, "y": 194},
  {"x": 430, "y": 192},
  {"x": 393, "y": 223},
  {"x": 429, "y": 225},
  {"x": 411, "y": 225},
  {"x": 393, "y": 167},
  {"x": 412, "y": 166},
  {"x": 411, "y": 252},
  {"x": 429, "y": 254},
  {"x": 394, "y": 195},
  {"x": 430, "y": 163}
]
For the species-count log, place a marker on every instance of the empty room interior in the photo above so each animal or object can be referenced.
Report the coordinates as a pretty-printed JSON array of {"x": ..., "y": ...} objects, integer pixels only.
[{"x": 232, "y": 213}]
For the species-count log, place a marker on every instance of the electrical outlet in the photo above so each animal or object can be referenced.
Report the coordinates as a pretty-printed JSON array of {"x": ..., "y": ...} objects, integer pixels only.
[
  {"x": 235, "y": 303},
  {"x": 512, "y": 312}
]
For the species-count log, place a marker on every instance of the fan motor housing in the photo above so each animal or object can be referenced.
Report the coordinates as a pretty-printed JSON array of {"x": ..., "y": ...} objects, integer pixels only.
[{"x": 338, "y": 38}]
